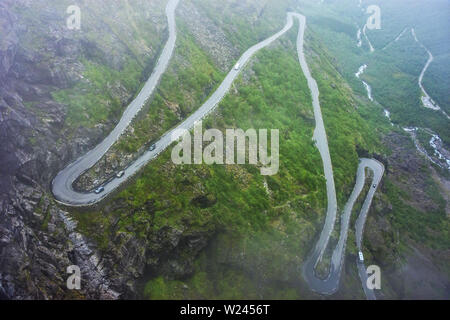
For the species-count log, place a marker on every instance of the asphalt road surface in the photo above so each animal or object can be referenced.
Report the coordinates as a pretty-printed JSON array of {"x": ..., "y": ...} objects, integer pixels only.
[
  {"x": 330, "y": 284},
  {"x": 62, "y": 185},
  {"x": 64, "y": 193}
]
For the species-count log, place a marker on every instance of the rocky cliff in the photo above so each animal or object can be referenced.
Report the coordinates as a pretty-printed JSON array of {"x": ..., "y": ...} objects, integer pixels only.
[
  {"x": 48, "y": 71},
  {"x": 38, "y": 56},
  {"x": 45, "y": 68}
]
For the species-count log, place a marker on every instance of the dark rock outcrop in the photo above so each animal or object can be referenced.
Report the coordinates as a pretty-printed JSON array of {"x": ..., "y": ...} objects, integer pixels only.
[{"x": 38, "y": 240}]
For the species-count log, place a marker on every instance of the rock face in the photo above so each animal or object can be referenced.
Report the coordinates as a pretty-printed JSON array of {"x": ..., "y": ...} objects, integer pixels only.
[
  {"x": 39, "y": 239},
  {"x": 210, "y": 37},
  {"x": 36, "y": 245},
  {"x": 417, "y": 273},
  {"x": 39, "y": 55},
  {"x": 35, "y": 259}
]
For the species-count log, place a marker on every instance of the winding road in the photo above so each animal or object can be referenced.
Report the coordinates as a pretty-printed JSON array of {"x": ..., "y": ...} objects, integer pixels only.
[
  {"x": 331, "y": 283},
  {"x": 62, "y": 185},
  {"x": 64, "y": 193},
  {"x": 427, "y": 101}
]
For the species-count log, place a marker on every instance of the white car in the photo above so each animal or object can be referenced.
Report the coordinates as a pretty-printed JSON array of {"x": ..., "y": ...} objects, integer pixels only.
[
  {"x": 360, "y": 256},
  {"x": 99, "y": 190},
  {"x": 237, "y": 66},
  {"x": 120, "y": 174}
]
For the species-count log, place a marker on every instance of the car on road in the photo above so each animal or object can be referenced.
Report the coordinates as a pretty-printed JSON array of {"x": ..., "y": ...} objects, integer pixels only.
[
  {"x": 152, "y": 147},
  {"x": 120, "y": 174},
  {"x": 237, "y": 66},
  {"x": 360, "y": 257},
  {"x": 99, "y": 190},
  {"x": 374, "y": 186}
]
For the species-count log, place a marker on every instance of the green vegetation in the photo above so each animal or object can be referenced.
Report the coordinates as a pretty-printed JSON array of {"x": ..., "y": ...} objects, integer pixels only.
[
  {"x": 393, "y": 77},
  {"x": 233, "y": 284},
  {"x": 187, "y": 83},
  {"x": 95, "y": 101},
  {"x": 411, "y": 221},
  {"x": 345, "y": 128},
  {"x": 274, "y": 227},
  {"x": 264, "y": 16},
  {"x": 106, "y": 63},
  {"x": 432, "y": 26},
  {"x": 260, "y": 228},
  {"x": 392, "y": 73}
]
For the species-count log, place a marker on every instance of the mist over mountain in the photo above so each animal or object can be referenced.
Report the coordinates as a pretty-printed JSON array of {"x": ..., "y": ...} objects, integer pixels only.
[{"x": 87, "y": 176}]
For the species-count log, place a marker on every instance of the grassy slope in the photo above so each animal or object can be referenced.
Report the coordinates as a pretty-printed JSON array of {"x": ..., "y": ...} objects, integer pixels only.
[
  {"x": 393, "y": 72},
  {"x": 95, "y": 99},
  {"x": 273, "y": 231},
  {"x": 93, "y": 102},
  {"x": 276, "y": 228},
  {"x": 186, "y": 84}
]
